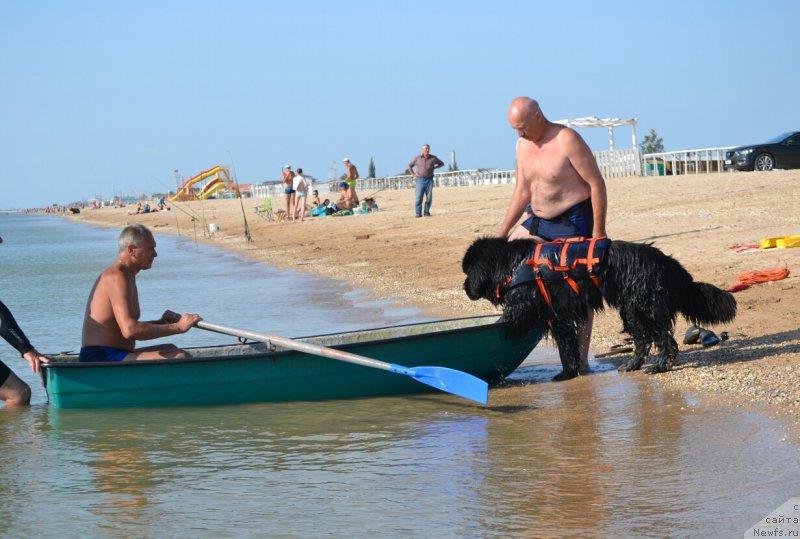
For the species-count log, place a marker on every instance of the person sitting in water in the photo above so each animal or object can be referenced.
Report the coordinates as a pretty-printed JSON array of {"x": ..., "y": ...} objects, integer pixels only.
[
  {"x": 349, "y": 198},
  {"x": 111, "y": 323}
]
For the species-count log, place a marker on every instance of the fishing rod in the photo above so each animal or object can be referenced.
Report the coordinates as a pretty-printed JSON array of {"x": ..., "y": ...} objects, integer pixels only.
[
  {"x": 193, "y": 216},
  {"x": 378, "y": 191},
  {"x": 241, "y": 202}
]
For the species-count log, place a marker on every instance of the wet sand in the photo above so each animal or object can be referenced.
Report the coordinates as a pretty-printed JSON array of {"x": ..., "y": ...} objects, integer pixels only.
[{"x": 697, "y": 219}]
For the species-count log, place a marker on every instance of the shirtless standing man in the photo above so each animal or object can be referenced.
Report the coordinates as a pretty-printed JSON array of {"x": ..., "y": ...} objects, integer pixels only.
[
  {"x": 559, "y": 177},
  {"x": 352, "y": 173},
  {"x": 287, "y": 177},
  {"x": 111, "y": 324}
]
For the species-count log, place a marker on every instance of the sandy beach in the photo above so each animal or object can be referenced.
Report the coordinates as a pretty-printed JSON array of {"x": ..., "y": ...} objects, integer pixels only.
[{"x": 699, "y": 219}]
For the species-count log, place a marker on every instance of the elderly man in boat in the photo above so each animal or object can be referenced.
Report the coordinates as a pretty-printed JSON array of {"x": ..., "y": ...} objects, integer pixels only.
[{"x": 111, "y": 324}]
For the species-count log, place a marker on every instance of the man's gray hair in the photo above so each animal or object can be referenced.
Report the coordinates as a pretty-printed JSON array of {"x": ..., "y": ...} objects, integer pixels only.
[{"x": 133, "y": 234}]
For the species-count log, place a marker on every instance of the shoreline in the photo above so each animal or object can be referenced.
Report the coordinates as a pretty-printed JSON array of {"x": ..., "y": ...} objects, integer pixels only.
[{"x": 698, "y": 219}]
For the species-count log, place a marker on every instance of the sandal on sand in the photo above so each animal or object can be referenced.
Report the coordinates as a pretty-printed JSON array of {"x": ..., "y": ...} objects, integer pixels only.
[
  {"x": 708, "y": 338},
  {"x": 692, "y": 335}
]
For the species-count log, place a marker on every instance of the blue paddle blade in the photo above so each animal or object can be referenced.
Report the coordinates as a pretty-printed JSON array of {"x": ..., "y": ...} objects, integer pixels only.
[{"x": 448, "y": 380}]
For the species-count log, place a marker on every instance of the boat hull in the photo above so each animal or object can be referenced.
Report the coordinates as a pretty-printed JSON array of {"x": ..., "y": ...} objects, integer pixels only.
[{"x": 253, "y": 373}]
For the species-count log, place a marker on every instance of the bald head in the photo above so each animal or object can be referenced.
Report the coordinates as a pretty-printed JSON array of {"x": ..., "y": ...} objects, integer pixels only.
[
  {"x": 522, "y": 108},
  {"x": 526, "y": 118}
]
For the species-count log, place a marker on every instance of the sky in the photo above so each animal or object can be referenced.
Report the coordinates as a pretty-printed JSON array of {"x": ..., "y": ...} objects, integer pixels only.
[{"x": 106, "y": 98}]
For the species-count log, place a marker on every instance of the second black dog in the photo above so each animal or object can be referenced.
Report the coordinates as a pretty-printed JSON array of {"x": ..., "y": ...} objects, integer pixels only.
[{"x": 648, "y": 288}]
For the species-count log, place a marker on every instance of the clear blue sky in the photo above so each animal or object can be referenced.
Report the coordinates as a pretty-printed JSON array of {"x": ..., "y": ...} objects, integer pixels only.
[{"x": 106, "y": 97}]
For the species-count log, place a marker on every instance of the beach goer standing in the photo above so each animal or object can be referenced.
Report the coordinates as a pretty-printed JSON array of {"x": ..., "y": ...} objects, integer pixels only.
[
  {"x": 287, "y": 177},
  {"x": 111, "y": 323},
  {"x": 352, "y": 173},
  {"x": 422, "y": 167},
  {"x": 301, "y": 194},
  {"x": 13, "y": 391},
  {"x": 559, "y": 177}
]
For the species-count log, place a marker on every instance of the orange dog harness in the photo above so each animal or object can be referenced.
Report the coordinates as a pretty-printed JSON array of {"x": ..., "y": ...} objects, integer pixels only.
[{"x": 568, "y": 259}]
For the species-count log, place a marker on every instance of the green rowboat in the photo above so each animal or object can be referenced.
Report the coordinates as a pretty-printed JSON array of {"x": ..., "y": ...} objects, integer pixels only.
[{"x": 256, "y": 372}]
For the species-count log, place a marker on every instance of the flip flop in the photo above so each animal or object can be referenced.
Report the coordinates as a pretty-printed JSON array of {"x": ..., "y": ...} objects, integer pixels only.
[
  {"x": 692, "y": 335},
  {"x": 708, "y": 338}
]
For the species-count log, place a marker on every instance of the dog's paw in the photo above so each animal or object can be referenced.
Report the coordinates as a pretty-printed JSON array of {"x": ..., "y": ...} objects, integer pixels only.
[
  {"x": 565, "y": 375},
  {"x": 633, "y": 364},
  {"x": 655, "y": 368}
]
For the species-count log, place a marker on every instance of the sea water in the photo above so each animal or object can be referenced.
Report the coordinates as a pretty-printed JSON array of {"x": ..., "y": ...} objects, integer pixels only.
[
  {"x": 603, "y": 455},
  {"x": 48, "y": 266}
]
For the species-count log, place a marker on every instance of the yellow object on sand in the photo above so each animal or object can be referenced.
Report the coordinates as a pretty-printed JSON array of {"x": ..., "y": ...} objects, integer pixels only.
[
  {"x": 781, "y": 243},
  {"x": 788, "y": 241}
]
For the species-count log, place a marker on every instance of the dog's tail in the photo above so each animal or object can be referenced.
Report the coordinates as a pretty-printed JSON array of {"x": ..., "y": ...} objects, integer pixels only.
[{"x": 706, "y": 304}]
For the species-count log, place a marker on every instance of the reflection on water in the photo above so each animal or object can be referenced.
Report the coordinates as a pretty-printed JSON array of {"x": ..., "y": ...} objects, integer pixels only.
[
  {"x": 601, "y": 455},
  {"x": 281, "y": 468}
]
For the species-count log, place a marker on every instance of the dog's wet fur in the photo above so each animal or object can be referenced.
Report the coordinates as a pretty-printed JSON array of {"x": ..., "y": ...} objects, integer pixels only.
[{"x": 647, "y": 287}]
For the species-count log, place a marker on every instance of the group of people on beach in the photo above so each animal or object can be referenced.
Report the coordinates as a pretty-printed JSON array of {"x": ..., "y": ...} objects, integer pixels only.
[
  {"x": 145, "y": 207},
  {"x": 422, "y": 167},
  {"x": 557, "y": 181},
  {"x": 295, "y": 189}
]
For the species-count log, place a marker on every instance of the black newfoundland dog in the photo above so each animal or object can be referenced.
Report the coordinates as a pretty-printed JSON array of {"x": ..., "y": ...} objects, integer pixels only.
[{"x": 648, "y": 288}]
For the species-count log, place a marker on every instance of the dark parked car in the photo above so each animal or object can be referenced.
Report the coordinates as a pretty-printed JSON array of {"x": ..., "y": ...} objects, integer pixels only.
[{"x": 782, "y": 151}]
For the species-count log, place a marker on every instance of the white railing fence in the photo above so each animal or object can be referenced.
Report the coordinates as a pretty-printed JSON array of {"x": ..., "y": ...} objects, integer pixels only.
[
  {"x": 456, "y": 178},
  {"x": 705, "y": 160},
  {"x": 612, "y": 164},
  {"x": 619, "y": 163},
  {"x": 268, "y": 190}
]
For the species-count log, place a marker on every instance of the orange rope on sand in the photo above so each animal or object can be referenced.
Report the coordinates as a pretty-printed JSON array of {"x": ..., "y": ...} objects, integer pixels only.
[
  {"x": 758, "y": 276},
  {"x": 745, "y": 247}
]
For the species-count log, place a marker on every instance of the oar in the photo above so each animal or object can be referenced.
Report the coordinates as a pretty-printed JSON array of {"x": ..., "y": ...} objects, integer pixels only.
[{"x": 447, "y": 380}]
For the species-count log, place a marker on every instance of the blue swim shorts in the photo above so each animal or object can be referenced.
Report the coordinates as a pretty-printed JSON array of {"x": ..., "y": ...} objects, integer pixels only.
[
  {"x": 576, "y": 221},
  {"x": 102, "y": 353}
]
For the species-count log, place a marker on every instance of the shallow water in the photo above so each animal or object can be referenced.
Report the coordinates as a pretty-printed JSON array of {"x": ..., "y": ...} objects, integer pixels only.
[
  {"x": 603, "y": 455},
  {"x": 48, "y": 266}
]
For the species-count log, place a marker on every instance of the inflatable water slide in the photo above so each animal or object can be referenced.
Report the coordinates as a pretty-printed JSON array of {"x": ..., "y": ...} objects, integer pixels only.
[
  {"x": 210, "y": 188},
  {"x": 217, "y": 178}
]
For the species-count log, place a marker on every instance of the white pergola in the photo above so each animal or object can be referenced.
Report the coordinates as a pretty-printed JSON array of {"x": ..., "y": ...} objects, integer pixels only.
[{"x": 610, "y": 123}]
